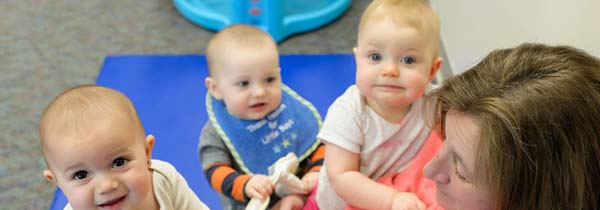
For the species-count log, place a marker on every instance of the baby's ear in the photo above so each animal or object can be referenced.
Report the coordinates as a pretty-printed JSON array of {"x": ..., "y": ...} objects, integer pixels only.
[
  {"x": 211, "y": 85},
  {"x": 49, "y": 176},
  {"x": 148, "y": 145},
  {"x": 435, "y": 67}
]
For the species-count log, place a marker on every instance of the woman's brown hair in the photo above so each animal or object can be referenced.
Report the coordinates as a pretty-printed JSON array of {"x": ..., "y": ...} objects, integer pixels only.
[{"x": 538, "y": 108}]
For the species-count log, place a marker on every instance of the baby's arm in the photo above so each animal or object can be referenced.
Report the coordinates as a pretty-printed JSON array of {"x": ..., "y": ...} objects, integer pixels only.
[
  {"x": 224, "y": 179},
  {"x": 217, "y": 164},
  {"x": 343, "y": 172}
]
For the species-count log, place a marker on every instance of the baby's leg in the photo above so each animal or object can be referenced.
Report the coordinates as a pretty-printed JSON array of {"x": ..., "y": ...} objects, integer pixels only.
[
  {"x": 311, "y": 202},
  {"x": 290, "y": 202}
]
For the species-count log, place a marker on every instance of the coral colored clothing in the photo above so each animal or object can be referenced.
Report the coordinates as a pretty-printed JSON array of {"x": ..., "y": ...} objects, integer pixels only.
[{"x": 412, "y": 179}]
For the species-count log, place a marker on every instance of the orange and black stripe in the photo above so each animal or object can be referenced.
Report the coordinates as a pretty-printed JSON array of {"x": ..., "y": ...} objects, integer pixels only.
[
  {"x": 316, "y": 159},
  {"x": 224, "y": 179}
]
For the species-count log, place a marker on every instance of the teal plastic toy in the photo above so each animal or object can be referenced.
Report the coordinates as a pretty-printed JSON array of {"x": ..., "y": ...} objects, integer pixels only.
[{"x": 280, "y": 18}]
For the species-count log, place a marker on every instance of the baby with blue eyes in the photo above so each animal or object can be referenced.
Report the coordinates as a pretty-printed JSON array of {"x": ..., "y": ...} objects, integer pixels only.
[
  {"x": 98, "y": 154},
  {"x": 376, "y": 128}
]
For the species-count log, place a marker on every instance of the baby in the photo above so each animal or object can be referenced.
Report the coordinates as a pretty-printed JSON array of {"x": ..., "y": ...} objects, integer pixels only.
[
  {"x": 97, "y": 153},
  {"x": 376, "y": 127},
  {"x": 254, "y": 121}
]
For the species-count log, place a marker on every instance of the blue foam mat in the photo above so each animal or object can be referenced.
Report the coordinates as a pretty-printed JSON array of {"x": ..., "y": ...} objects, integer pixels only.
[{"x": 168, "y": 92}]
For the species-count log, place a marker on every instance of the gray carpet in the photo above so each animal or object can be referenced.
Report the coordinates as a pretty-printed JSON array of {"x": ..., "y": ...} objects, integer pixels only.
[{"x": 48, "y": 46}]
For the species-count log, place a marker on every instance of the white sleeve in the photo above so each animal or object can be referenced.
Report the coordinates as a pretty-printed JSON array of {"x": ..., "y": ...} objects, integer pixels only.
[
  {"x": 171, "y": 187},
  {"x": 343, "y": 125},
  {"x": 68, "y": 207}
]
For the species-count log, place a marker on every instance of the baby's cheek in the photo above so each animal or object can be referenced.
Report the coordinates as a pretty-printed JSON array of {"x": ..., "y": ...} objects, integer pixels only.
[
  {"x": 80, "y": 198},
  {"x": 140, "y": 185}
]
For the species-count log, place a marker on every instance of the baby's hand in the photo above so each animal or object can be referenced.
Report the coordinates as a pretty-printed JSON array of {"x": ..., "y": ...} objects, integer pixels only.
[
  {"x": 259, "y": 186},
  {"x": 407, "y": 201},
  {"x": 309, "y": 180}
]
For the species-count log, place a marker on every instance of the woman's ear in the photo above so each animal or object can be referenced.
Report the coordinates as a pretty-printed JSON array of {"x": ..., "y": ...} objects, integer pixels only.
[{"x": 211, "y": 85}]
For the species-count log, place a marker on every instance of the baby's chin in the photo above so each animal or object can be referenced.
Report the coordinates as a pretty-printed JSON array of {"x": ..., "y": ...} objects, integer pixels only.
[
  {"x": 256, "y": 114},
  {"x": 254, "y": 117}
]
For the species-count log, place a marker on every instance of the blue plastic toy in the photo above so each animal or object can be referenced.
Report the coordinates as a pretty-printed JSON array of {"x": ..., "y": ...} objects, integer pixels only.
[{"x": 280, "y": 18}]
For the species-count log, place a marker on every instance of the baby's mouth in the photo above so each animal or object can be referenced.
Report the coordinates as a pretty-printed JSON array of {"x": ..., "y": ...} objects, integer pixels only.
[
  {"x": 257, "y": 105},
  {"x": 113, "y": 202},
  {"x": 390, "y": 86}
]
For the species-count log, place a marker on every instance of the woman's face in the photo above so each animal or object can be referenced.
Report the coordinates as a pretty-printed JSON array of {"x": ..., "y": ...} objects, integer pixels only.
[{"x": 452, "y": 169}]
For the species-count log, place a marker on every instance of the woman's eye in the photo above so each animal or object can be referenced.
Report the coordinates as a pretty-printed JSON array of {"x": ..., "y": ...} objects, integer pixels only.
[
  {"x": 80, "y": 175},
  {"x": 375, "y": 57},
  {"x": 119, "y": 162},
  {"x": 464, "y": 179},
  {"x": 408, "y": 60},
  {"x": 460, "y": 176},
  {"x": 243, "y": 83}
]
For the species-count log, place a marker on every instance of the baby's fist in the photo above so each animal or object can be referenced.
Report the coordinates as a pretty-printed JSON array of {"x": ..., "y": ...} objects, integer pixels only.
[
  {"x": 407, "y": 201},
  {"x": 259, "y": 186}
]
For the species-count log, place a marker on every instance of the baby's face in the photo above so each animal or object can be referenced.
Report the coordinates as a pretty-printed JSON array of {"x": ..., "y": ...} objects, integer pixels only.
[
  {"x": 393, "y": 64},
  {"x": 249, "y": 82},
  {"x": 106, "y": 168}
]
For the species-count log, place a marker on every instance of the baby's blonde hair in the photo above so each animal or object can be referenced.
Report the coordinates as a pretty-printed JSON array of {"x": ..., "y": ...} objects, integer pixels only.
[
  {"x": 236, "y": 37},
  {"x": 79, "y": 108},
  {"x": 414, "y": 13}
]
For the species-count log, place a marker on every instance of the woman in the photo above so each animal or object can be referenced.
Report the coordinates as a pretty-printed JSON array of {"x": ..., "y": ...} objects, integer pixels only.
[{"x": 522, "y": 131}]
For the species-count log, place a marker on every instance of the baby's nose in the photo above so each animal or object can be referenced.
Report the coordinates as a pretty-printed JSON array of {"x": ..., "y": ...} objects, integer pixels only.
[
  {"x": 107, "y": 184},
  {"x": 390, "y": 70},
  {"x": 258, "y": 91}
]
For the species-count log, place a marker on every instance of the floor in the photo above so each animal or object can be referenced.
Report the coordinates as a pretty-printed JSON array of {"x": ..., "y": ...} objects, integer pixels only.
[{"x": 48, "y": 46}]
